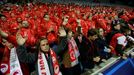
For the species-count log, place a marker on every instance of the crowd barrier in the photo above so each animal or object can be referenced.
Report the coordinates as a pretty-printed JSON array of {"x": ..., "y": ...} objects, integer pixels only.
[{"x": 115, "y": 66}]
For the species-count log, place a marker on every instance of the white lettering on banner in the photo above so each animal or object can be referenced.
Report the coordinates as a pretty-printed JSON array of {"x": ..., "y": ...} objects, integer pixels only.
[
  {"x": 4, "y": 68},
  {"x": 42, "y": 65},
  {"x": 40, "y": 56},
  {"x": 41, "y": 62},
  {"x": 15, "y": 68},
  {"x": 13, "y": 56}
]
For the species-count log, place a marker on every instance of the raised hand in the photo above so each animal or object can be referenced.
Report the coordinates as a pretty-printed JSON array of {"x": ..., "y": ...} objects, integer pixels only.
[
  {"x": 124, "y": 56},
  {"x": 62, "y": 32},
  {"x": 3, "y": 34},
  {"x": 20, "y": 40},
  {"x": 96, "y": 59},
  {"x": 78, "y": 20}
]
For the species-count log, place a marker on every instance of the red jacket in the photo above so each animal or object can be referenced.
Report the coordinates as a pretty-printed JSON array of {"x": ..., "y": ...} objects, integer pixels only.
[{"x": 115, "y": 41}]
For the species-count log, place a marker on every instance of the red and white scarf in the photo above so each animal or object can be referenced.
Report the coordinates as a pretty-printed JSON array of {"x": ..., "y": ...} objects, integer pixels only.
[
  {"x": 43, "y": 68},
  {"x": 12, "y": 65},
  {"x": 73, "y": 52}
]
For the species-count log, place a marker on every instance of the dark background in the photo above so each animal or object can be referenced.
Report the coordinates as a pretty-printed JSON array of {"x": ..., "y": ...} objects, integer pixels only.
[{"x": 120, "y": 2}]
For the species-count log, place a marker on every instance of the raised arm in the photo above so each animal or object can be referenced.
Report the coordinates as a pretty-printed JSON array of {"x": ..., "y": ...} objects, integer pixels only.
[
  {"x": 23, "y": 55},
  {"x": 3, "y": 34},
  {"x": 63, "y": 41}
]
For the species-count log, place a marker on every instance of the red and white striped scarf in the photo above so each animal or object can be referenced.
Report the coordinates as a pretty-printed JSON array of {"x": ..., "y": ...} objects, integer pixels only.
[
  {"x": 43, "y": 68},
  {"x": 73, "y": 52},
  {"x": 11, "y": 66}
]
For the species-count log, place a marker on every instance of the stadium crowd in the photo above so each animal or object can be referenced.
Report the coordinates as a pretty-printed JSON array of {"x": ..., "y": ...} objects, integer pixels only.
[{"x": 61, "y": 39}]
